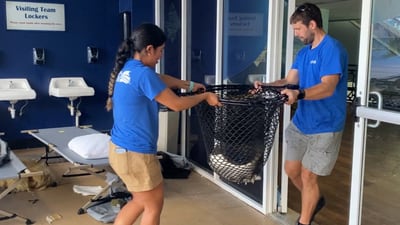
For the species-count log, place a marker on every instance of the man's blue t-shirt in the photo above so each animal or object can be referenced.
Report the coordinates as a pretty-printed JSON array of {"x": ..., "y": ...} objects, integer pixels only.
[
  {"x": 328, "y": 114},
  {"x": 135, "y": 110}
]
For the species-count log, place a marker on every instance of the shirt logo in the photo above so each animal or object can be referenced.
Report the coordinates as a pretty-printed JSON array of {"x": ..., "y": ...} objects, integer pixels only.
[
  {"x": 313, "y": 61},
  {"x": 124, "y": 77}
]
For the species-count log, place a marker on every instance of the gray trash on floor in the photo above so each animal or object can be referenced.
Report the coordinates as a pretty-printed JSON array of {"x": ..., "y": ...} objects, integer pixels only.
[{"x": 107, "y": 209}]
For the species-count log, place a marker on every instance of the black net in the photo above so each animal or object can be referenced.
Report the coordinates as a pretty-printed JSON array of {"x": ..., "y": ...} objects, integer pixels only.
[{"x": 239, "y": 135}]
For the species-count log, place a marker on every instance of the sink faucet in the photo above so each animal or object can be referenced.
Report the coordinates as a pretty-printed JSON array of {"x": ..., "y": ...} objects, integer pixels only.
[
  {"x": 11, "y": 84},
  {"x": 70, "y": 82}
]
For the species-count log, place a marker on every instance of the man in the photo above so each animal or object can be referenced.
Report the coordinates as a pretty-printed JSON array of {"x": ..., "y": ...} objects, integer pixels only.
[{"x": 315, "y": 132}]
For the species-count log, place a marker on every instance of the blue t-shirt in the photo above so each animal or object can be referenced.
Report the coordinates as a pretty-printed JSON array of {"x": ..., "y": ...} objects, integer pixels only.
[
  {"x": 328, "y": 114},
  {"x": 135, "y": 110}
]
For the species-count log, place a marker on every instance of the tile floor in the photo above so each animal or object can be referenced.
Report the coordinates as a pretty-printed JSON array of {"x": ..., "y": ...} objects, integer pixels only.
[{"x": 194, "y": 201}]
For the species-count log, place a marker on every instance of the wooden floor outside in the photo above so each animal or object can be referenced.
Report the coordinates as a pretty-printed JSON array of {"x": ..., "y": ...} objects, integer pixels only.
[
  {"x": 381, "y": 180},
  {"x": 335, "y": 188}
]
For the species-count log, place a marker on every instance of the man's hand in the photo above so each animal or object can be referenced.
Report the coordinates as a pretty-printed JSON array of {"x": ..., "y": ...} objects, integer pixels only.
[
  {"x": 258, "y": 84},
  {"x": 292, "y": 95},
  {"x": 257, "y": 87}
]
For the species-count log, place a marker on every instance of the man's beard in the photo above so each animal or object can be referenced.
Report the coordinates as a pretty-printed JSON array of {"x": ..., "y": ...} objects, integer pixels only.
[{"x": 309, "y": 39}]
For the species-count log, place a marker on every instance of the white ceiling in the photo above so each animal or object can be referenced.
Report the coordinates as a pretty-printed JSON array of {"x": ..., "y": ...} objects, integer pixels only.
[{"x": 339, "y": 9}]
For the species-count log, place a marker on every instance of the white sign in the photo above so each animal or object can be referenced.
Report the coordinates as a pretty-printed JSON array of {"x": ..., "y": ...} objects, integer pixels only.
[
  {"x": 35, "y": 16},
  {"x": 245, "y": 24}
]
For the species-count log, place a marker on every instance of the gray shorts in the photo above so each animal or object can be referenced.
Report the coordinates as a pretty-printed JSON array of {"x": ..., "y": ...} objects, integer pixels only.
[{"x": 317, "y": 152}]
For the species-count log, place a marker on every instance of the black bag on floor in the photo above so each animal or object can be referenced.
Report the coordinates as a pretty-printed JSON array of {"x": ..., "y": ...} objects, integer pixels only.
[{"x": 173, "y": 166}]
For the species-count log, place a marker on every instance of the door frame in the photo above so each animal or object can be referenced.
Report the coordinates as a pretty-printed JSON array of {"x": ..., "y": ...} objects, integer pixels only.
[
  {"x": 284, "y": 184},
  {"x": 275, "y": 24},
  {"x": 363, "y": 113}
]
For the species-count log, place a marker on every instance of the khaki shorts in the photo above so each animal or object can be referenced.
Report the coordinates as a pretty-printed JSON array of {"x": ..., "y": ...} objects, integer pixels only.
[
  {"x": 317, "y": 152},
  {"x": 140, "y": 172}
]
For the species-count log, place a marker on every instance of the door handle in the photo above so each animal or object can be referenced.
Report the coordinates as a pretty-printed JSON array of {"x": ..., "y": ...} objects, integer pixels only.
[{"x": 379, "y": 103}]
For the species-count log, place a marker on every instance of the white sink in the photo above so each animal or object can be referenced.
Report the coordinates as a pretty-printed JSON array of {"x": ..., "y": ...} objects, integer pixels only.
[
  {"x": 14, "y": 89},
  {"x": 69, "y": 87}
]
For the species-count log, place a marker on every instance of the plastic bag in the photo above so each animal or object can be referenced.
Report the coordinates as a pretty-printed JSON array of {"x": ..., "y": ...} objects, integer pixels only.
[{"x": 107, "y": 208}]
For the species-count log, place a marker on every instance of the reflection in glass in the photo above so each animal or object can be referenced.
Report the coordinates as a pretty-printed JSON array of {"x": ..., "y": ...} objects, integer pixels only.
[
  {"x": 382, "y": 159},
  {"x": 382, "y": 176},
  {"x": 385, "y": 61},
  {"x": 201, "y": 68},
  {"x": 244, "y": 60},
  {"x": 172, "y": 28},
  {"x": 244, "y": 41}
]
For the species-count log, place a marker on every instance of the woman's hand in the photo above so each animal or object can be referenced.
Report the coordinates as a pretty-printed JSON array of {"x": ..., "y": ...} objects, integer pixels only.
[
  {"x": 198, "y": 86},
  {"x": 212, "y": 99}
]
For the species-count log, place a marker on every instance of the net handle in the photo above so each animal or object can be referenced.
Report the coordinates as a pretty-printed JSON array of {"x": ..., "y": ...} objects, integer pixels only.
[
  {"x": 264, "y": 87},
  {"x": 239, "y": 103},
  {"x": 281, "y": 99}
]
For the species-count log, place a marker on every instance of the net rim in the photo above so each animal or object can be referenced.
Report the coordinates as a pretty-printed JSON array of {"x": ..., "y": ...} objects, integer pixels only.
[{"x": 258, "y": 99}]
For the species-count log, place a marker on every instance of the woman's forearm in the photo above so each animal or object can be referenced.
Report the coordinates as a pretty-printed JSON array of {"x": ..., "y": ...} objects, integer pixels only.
[{"x": 173, "y": 82}]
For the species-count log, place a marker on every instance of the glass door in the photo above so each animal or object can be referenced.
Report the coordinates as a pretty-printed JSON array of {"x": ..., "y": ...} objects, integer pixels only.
[
  {"x": 376, "y": 153},
  {"x": 244, "y": 57},
  {"x": 227, "y": 42},
  {"x": 168, "y": 17},
  {"x": 201, "y": 47}
]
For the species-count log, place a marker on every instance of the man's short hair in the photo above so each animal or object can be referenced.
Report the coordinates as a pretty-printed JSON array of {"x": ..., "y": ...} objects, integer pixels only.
[{"x": 305, "y": 13}]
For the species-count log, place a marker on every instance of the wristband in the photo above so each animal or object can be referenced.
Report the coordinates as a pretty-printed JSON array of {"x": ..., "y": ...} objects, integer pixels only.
[
  {"x": 301, "y": 95},
  {"x": 191, "y": 86}
]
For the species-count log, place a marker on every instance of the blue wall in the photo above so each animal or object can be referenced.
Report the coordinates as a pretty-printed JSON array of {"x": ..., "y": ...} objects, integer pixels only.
[
  {"x": 95, "y": 23},
  {"x": 142, "y": 12}
]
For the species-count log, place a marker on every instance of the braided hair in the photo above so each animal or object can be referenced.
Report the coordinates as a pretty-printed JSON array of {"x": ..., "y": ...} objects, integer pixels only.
[{"x": 141, "y": 37}]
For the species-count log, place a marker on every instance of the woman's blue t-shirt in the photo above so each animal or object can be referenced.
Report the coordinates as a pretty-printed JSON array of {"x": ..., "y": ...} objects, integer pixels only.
[
  {"x": 328, "y": 114},
  {"x": 135, "y": 110}
]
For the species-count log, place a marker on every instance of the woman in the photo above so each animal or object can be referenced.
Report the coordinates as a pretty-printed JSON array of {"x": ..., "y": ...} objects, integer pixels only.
[{"x": 135, "y": 91}]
